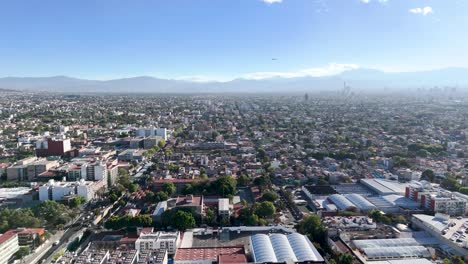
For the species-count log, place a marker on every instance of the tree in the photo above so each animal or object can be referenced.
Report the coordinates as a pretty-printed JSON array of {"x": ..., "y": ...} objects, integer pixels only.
[
  {"x": 345, "y": 259},
  {"x": 76, "y": 201},
  {"x": 169, "y": 188},
  {"x": 161, "y": 196},
  {"x": 53, "y": 213},
  {"x": 124, "y": 178},
  {"x": 161, "y": 143},
  {"x": 22, "y": 252},
  {"x": 428, "y": 175},
  {"x": 209, "y": 216},
  {"x": 312, "y": 227},
  {"x": 244, "y": 180},
  {"x": 265, "y": 209},
  {"x": 188, "y": 189},
  {"x": 450, "y": 183},
  {"x": 132, "y": 188},
  {"x": 464, "y": 190},
  {"x": 457, "y": 260},
  {"x": 10, "y": 218},
  {"x": 183, "y": 220},
  {"x": 225, "y": 185},
  {"x": 270, "y": 196}
]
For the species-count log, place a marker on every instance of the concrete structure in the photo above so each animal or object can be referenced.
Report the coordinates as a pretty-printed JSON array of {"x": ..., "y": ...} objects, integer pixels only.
[
  {"x": 8, "y": 246},
  {"x": 30, "y": 237},
  {"x": 158, "y": 240},
  {"x": 59, "y": 190},
  {"x": 52, "y": 147},
  {"x": 160, "y": 209},
  {"x": 224, "y": 207},
  {"x": 437, "y": 199},
  {"x": 449, "y": 231},
  {"x": 151, "y": 141},
  {"x": 192, "y": 202},
  {"x": 29, "y": 171},
  {"x": 131, "y": 154},
  {"x": 152, "y": 131}
]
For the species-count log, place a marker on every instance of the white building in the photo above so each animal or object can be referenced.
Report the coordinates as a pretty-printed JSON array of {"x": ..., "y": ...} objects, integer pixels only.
[
  {"x": 58, "y": 190},
  {"x": 8, "y": 246},
  {"x": 283, "y": 248},
  {"x": 151, "y": 131},
  {"x": 158, "y": 240},
  {"x": 224, "y": 207}
]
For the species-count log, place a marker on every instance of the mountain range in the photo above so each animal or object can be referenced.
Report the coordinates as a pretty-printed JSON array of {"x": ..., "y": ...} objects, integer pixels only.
[{"x": 358, "y": 79}]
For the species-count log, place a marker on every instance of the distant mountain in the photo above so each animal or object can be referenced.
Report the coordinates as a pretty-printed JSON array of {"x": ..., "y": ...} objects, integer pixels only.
[{"x": 357, "y": 79}]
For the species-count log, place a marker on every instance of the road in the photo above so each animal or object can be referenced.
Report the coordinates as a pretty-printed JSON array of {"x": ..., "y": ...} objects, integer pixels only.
[{"x": 40, "y": 251}]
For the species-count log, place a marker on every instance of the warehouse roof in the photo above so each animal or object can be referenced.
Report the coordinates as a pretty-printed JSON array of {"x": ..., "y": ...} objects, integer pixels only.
[{"x": 280, "y": 248}]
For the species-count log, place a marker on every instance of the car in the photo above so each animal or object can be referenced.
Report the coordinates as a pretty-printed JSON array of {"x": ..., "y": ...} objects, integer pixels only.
[{"x": 56, "y": 243}]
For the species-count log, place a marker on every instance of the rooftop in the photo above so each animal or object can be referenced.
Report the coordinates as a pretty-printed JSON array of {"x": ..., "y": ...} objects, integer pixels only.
[{"x": 207, "y": 253}]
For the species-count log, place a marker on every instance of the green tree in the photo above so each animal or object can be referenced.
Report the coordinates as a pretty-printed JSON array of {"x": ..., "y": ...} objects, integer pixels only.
[
  {"x": 265, "y": 209},
  {"x": 161, "y": 196},
  {"x": 22, "y": 252},
  {"x": 169, "y": 188},
  {"x": 450, "y": 183},
  {"x": 224, "y": 186},
  {"x": 463, "y": 190},
  {"x": 132, "y": 188},
  {"x": 312, "y": 226},
  {"x": 10, "y": 218},
  {"x": 345, "y": 259},
  {"x": 161, "y": 143},
  {"x": 53, "y": 213},
  {"x": 428, "y": 175},
  {"x": 183, "y": 220},
  {"x": 124, "y": 178},
  {"x": 76, "y": 201},
  {"x": 244, "y": 180},
  {"x": 270, "y": 196},
  {"x": 209, "y": 216},
  {"x": 457, "y": 260}
]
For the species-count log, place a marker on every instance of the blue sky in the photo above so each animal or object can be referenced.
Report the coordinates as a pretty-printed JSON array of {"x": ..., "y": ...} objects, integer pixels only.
[{"x": 225, "y": 39}]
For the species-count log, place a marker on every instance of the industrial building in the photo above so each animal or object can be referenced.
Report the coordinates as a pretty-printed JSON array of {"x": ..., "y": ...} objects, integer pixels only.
[
  {"x": 385, "y": 249},
  {"x": 279, "y": 247}
]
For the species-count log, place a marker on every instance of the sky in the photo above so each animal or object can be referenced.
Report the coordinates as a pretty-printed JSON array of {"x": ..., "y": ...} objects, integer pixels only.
[{"x": 226, "y": 39}]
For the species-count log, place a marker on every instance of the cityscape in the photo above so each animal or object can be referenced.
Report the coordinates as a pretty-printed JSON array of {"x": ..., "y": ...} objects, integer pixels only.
[{"x": 222, "y": 132}]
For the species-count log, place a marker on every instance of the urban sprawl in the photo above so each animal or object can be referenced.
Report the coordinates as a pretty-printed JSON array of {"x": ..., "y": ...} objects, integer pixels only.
[{"x": 336, "y": 178}]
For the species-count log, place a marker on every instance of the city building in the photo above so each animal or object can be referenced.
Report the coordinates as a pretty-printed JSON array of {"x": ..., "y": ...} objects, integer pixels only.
[
  {"x": 54, "y": 190},
  {"x": 149, "y": 240},
  {"x": 277, "y": 248},
  {"x": 8, "y": 246},
  {"x": 208, "y": 255},
  {"x": 450, "y": 232},
  {"x": 52, "y": 147},
  {"x": 30, "y": 237},
  {"x": 224, "y": 207},
  {"x": 437, "y": 199},
  {"x": 131, "y": 154},
  {"x": 151, "y": 131},
  {"x": 387, "y": 249}
]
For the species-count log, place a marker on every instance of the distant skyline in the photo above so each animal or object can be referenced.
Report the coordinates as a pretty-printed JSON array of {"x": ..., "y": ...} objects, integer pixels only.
[{"x": 222, "y": 40}]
